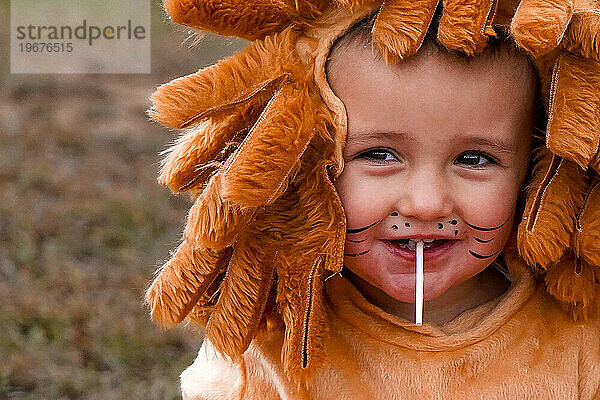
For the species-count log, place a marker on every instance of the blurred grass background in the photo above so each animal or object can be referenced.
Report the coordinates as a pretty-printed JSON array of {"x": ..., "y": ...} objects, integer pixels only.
[{"x": 83, "y": 226}]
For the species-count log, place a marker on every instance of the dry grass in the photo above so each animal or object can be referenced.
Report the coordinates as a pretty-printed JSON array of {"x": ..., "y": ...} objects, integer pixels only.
[{"x": 83, "y": 225}]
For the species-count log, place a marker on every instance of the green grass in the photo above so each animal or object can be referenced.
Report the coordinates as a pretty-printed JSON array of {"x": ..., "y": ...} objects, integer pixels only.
[{"x": 83, "y": 226}]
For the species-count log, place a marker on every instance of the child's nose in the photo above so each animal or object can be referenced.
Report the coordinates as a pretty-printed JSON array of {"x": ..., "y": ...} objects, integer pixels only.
[{"x": 425, "y": 197}]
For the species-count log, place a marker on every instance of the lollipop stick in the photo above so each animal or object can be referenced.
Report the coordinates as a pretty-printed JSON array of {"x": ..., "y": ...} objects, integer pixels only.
[{"x": 419, "y": 284}]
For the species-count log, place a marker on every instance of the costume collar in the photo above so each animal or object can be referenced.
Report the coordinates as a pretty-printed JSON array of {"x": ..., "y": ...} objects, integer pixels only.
[{"x": 472, "y": 326}]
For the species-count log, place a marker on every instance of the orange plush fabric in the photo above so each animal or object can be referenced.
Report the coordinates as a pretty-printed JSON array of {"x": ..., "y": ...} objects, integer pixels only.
[
  {"x": 261, "y": 143},
  {"x": 247, "y": 19},
  {"x": 554, "y": 198},
  {"x": 518, "y": 346}
]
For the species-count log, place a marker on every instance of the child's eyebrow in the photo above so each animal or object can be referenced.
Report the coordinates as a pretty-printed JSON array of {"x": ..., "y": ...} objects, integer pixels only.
[
  {"x": 367, "y": 137},
  {"x": 499, "y": 145}
]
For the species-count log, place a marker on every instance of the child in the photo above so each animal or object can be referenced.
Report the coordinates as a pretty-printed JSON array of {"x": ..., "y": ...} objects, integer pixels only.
[
  {"x": 455, "y": 172},
  {"x": 437, "y": 147}
]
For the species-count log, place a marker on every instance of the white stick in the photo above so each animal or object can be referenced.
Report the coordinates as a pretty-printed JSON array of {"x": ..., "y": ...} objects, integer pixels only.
[{"x": 419, "y": 284}]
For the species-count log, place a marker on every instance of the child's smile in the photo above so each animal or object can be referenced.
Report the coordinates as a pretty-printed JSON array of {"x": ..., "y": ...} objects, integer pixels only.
[{"x": 437, "y": 148}]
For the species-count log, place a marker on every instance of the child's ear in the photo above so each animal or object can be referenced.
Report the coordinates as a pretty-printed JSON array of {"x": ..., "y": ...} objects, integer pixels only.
[{"x": 247, "y": 19}]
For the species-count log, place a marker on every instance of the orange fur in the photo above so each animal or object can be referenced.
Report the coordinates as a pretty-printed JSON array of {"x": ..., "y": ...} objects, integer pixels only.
[
  {"x": 311, "y": 222},
  {"x": 300, "y": 292},
  {"x": 241, "y": 303},
  {"x": 180, "y": 282},
  {"x": 595, "y": 163},
  {"x": 574, "y": 118},
  {"x": 553, "y": 199},
  {"x": 583, "y": 37},
  {"x": 587, "y": 234},
  {"x": 283, "y": 130},
  {"x": 539, "y": 25},
  {"x": 300, "y": 297},
  {"x": 201, "y": 311},
  {"x": 248, "y": 19},
  {"x": 232, "y": 82},
  {"x": 505, "y": 11},
  {"x": 467, "y": 25},
  {"x": 545, "y": 66},
  {"x": 213, "y": 222},
  {"x": 265, "y": 128},
  {"x": 401, "y": 26},
  {"x": 311, "y": 242},
  {"x": 199, "y": 316},
  {"x": 356, "y": 3},
  {"x": 576, "y": 284},
  {"x": 201, "y": 151}
]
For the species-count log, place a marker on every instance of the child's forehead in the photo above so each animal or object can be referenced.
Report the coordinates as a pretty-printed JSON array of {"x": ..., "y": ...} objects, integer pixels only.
[
  {"x": 501, "y": 58},
  {"x": 357, "y": 76},
  {"x": 357, "y": 44},
  {"x": 434, "y": 99},
  {"x": 424, "y": 78}
]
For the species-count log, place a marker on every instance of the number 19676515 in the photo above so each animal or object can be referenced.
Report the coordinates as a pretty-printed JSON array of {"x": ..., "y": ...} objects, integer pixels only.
[{"x": 46, "y": 47}]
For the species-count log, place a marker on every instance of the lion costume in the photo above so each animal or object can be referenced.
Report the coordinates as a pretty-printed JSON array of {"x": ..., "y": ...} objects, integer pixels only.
[{"x": 262, "y": 143}]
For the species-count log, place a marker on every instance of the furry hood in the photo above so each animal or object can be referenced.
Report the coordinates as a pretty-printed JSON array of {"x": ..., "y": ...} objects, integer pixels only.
[{"x": 262, "y": 142}]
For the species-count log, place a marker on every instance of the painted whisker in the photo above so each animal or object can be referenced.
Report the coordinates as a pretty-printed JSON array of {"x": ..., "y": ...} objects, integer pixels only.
[
  {"x": 357, "y": 254},
  {"x": 357, "y": 230},
  {"x": 487, "y": 229},
  {"x": 483, "y": 241},
  {"x": 482, "y": 257},
  {"x": 356, "y": 241}
]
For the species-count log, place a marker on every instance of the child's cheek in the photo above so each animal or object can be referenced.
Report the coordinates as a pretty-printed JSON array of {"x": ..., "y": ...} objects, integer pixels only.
[
  {"x": 362, "y": 199},
  {"x": 488, "y": 204}
]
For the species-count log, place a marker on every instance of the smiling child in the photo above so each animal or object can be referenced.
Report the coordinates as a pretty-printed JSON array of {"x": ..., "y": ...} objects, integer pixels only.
[
  {"x": 418, "y": 165},
  {"x": 349, "y": 133}
]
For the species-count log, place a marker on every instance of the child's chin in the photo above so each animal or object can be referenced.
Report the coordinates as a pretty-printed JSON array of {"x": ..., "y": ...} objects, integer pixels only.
[
  {"x": 402, "y": 294},
  {"x": 400, "y": 291}
]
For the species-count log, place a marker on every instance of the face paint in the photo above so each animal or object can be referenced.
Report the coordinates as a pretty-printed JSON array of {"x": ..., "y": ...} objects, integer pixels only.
[
  {"x": 484, "y": 241},
  {"x": 389, "y": 253},
  {"x": 478, "y": 228},
  {"x": 481, "y": 257},
  {"x": 359, "y": 230},
  {"x": 364, "y": 228}
]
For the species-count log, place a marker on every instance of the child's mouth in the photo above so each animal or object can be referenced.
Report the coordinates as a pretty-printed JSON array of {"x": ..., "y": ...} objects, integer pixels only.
[
  {"x": 411, "y": 244},
  {"x": 432, "y": 248}
]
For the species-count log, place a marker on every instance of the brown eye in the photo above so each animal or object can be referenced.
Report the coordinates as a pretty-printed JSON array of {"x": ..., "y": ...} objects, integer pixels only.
[
  {"x": 378, "y": 155},
  {"x": 475, "y": 159}
]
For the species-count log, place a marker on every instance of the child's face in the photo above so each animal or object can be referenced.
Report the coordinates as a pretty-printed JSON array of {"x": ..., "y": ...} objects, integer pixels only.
[{"x": 436, "y": 148}]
